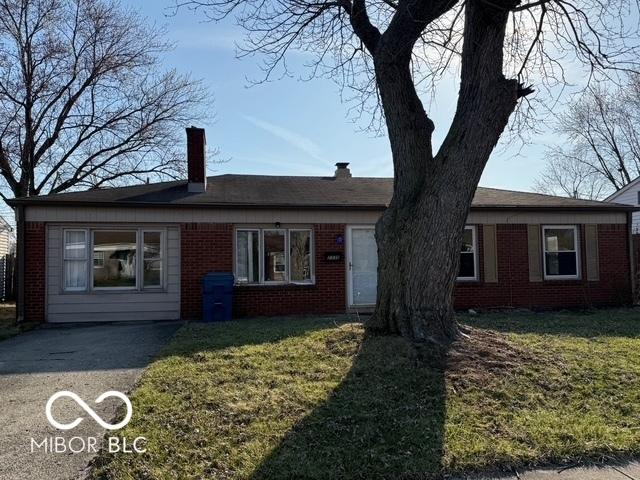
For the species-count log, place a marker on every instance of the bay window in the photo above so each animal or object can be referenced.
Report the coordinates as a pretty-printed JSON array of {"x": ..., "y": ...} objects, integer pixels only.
[
  {"x": 109, "y": 259},
  {"x": 560, "y": 245},
  {"x": 274, "y": 256},
  {"x": 468, "y": 263}
]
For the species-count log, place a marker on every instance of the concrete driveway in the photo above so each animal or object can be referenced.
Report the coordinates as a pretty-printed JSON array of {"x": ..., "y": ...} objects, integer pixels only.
[{"x": 85, "y": 359}]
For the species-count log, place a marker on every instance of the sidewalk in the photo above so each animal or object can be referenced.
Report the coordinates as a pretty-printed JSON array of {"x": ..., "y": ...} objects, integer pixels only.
[{"x": 622, "y": 471}]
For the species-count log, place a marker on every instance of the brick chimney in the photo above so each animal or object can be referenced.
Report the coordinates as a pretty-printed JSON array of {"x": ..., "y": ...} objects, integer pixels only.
[
  {"x": 342, "y": 170},
  {"x": 196, "y": 160}
]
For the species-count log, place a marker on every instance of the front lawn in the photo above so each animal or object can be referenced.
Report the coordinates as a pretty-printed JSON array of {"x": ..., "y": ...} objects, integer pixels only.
[{"x": 315, "y": 398}]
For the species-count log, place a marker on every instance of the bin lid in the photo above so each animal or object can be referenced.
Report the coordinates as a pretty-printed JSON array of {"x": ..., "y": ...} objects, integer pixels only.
[{"x": 218, "y": 277}]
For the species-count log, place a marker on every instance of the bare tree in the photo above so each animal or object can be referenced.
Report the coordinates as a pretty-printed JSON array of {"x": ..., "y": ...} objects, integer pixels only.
[
  {"x": 602, "y": 152},
  {"x": 82, "y": 99},
  {"x": 386, "y": 50},
  {"x": 566, "y": 177}
]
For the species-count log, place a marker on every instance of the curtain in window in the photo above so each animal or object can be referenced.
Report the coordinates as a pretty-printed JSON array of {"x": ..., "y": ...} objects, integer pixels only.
[
  {"x": 247, "y": 256},
  {"x": 75, "y": 259}
]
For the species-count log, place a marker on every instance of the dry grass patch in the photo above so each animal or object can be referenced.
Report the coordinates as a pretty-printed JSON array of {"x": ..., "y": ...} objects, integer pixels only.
[{"x": 8, "y": 325}]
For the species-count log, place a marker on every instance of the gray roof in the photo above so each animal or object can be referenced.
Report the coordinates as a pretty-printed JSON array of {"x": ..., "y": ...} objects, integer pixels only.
[{"x": 263, "y": 191}]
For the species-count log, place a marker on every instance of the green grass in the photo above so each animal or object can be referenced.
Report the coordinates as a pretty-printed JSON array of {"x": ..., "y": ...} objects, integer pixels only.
[
  {"x": 8, "y": 326},
  {"x": 316, "y": 398}
]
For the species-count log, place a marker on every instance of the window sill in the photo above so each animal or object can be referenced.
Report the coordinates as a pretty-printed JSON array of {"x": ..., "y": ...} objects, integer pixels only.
[
  {"x": 274, "y": 285},
  {"x": 114, "y": 291},
  {"x": 561, "y": 278}
]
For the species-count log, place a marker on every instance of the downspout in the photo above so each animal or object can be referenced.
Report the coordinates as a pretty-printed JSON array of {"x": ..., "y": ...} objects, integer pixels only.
[
  {"x": 632, "y": 260},
  {"x": 20, "y": 263}
]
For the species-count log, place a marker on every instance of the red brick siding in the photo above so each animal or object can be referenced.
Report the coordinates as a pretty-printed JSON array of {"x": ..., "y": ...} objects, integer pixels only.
[
  {"x": 328, "y": 295},
  {"x": 514, "y": 289},
  {"x": 209, "y": 248},
  {"x": 34, "y": 278},
  {"x": 204, "y": 248}
]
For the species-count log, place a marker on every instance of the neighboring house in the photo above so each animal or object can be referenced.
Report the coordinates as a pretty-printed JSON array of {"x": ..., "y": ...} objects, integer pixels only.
[
  {"x": 6, "y": 258},
  {"x": 629, "y": 195},
  {"x": 297, "y": 245}
]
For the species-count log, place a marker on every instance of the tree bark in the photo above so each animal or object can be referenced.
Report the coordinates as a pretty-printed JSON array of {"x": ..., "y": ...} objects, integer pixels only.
[{"x": 419, "y": 234}]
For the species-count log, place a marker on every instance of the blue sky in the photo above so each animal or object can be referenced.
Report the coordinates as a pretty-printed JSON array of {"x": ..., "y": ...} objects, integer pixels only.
[{"x": 293, "y": 127}]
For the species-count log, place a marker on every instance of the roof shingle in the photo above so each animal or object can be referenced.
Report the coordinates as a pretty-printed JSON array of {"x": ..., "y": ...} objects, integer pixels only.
[{"x": 298, "y": 192}]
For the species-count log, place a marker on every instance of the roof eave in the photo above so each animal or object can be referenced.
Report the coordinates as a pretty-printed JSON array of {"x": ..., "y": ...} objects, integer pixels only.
[
  {"x": 59, "y": 203},
  {"x": 572, "y": 208},
  {"x": 112, "y": 204}
]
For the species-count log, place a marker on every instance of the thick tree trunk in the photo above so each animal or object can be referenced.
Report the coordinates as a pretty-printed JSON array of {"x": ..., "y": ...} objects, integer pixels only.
[
  {"x": 420, "y": 234},
  {"x": 417, "y": 266}
]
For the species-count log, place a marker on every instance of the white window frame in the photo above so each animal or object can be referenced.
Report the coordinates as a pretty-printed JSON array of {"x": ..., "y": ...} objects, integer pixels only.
[
  {"x": 261, "y": 274},
  {"x": 88, "y": 255},
  {"x": 163, "y": 254},
  {"x": 139, "y": 287},
  {"x": 576, "y": 240},
  {"x": 312, "y": 278},
  {"x": 250, "y": 266},
  {"x": 474, "y": 246}
]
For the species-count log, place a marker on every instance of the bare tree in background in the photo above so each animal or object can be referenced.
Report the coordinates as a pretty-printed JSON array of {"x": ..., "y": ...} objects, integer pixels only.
[
  {"x": 83, "y": 102},
  {"x": 386, "y": 50},
  {"x": 602, "y": 152},
  {"x": 566, "y": 176}
]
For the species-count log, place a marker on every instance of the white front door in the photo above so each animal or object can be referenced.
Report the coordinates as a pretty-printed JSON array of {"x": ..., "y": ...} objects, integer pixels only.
[{"x": 362, "y": 253}]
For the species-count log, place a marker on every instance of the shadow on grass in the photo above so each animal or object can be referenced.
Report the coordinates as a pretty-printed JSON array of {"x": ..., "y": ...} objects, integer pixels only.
[
  {"x": 619, "y": 322},
  {"x": 270, "y": 413},
  {"x": 385, "y": 420}
]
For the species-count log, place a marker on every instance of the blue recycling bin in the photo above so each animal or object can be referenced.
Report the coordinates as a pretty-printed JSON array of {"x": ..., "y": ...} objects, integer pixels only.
[{"x": 217, "y": 297}]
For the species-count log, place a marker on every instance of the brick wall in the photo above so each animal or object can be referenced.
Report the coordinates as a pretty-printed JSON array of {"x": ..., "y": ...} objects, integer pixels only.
[
  {"x": 34, "y": 287},
  {"x": 209, "y": 248},
  {"x": 204, "y": 248},
  {"x": 514, "y": 289}
]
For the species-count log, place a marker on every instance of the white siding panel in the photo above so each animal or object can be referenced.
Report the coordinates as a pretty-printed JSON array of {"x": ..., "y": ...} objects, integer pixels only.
[
  {"x": 141, "y": 216},
  {"x": 112, "y": 317},
  {"x": 558, "y": 217},
  {"x": 115, "y": 307},
  {"x": 630, "y": 197},
  {"x": 112, "y": 306}
]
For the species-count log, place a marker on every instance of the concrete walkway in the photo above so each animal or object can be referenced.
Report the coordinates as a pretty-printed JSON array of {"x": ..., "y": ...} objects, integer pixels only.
[
  {"x": 85, "y": 359},
  {"x": 622, "y": 471}
]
